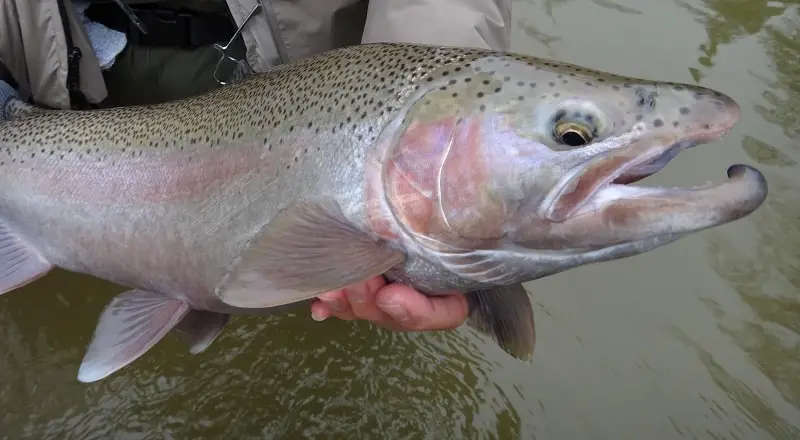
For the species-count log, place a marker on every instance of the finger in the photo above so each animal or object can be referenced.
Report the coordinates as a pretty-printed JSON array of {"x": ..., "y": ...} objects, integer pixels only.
[
  {"x": 361, "y": 298},
  {"x": 414, "y": 311},
  {"x": 319, "y": 312},
  {"x": 337, "y": 305}
]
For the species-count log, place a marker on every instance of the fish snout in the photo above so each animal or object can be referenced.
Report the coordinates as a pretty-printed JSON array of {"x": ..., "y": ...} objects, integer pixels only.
[
  {"x": 704, "y": 114},
  {"x": 712, "y": 115}
]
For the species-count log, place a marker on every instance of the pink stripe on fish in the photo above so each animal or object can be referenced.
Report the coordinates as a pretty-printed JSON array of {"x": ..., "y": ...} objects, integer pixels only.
[{"x": 154, "y": 177}]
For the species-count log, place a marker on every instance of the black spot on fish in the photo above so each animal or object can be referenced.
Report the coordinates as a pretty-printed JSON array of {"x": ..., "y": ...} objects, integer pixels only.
[
  {"x": 684, "y": 110},
  {"x": 658, "y": 123}
]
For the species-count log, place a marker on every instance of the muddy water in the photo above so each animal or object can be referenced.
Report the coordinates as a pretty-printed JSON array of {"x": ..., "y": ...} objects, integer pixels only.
[{"x": 700, "y": 339}]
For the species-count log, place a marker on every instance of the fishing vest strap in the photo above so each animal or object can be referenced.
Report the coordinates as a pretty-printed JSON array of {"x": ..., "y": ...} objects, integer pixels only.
[
  {"x": 76, "y": 97},
  {"x": 165, "y": 27}
]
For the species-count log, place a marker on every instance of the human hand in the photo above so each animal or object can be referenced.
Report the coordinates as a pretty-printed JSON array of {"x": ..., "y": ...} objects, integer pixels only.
[{"x": 393, "y": 306}]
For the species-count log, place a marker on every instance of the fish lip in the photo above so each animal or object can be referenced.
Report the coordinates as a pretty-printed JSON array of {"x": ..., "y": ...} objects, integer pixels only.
[{"x": 625, "y": 174}]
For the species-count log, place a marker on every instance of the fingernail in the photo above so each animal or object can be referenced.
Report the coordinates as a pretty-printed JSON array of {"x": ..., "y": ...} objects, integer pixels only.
[
  {"x": 318, "y": 317},
  {"x": 396, "y": 311}
]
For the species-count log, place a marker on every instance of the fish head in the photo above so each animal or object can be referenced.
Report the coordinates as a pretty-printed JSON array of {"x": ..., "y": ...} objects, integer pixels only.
[{"x": 539, "y": 159}]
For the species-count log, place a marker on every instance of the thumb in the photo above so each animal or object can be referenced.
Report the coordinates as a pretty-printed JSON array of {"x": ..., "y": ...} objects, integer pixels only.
[{"x": 414, "y": 311}]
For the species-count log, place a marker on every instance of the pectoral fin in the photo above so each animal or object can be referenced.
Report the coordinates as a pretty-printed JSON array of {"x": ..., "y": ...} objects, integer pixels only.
[
  {"x": 505, "y": 313},
  {"x": 20, "y": 263},
  {"x": 306, "y": 250},
  {"x": 200, "y": 328},
  {"x": 130, "y": 325}
]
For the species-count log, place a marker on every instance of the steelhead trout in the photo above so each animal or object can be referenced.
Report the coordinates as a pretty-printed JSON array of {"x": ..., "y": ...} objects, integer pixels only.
[{"x": 457, "y": 171}]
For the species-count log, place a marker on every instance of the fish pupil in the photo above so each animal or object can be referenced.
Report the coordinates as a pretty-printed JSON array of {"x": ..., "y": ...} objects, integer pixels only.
[{"x": 573, "y": 138}]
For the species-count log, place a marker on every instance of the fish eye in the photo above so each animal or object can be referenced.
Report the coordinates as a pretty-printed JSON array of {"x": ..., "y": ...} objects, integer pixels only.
[{"x": 572, "y": 134}]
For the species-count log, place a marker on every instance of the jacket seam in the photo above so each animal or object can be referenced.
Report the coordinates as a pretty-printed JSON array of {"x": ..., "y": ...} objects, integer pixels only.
[{"x": 274, "y": 26}]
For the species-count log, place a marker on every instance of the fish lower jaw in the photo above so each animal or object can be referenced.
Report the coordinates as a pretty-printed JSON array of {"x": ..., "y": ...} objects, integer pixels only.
[
  {"x": 617, "y": 192},
  {"x": 743, "y": 191}
]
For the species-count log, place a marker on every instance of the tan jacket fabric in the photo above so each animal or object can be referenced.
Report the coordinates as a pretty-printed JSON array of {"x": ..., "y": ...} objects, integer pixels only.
[
  {"x": 291, "y": 29},
  {"x": 33, "y": 48}
]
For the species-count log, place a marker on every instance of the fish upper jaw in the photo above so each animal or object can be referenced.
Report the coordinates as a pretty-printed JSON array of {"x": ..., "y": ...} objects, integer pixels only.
[
  {"x": 599, "y": 165},
  {"x": 693, "y": 139}
]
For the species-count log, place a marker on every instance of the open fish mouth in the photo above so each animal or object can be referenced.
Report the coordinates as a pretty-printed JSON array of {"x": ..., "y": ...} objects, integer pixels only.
[
  {"x": 643, "y": 170},
  {"x": 596, "y": 204}
]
